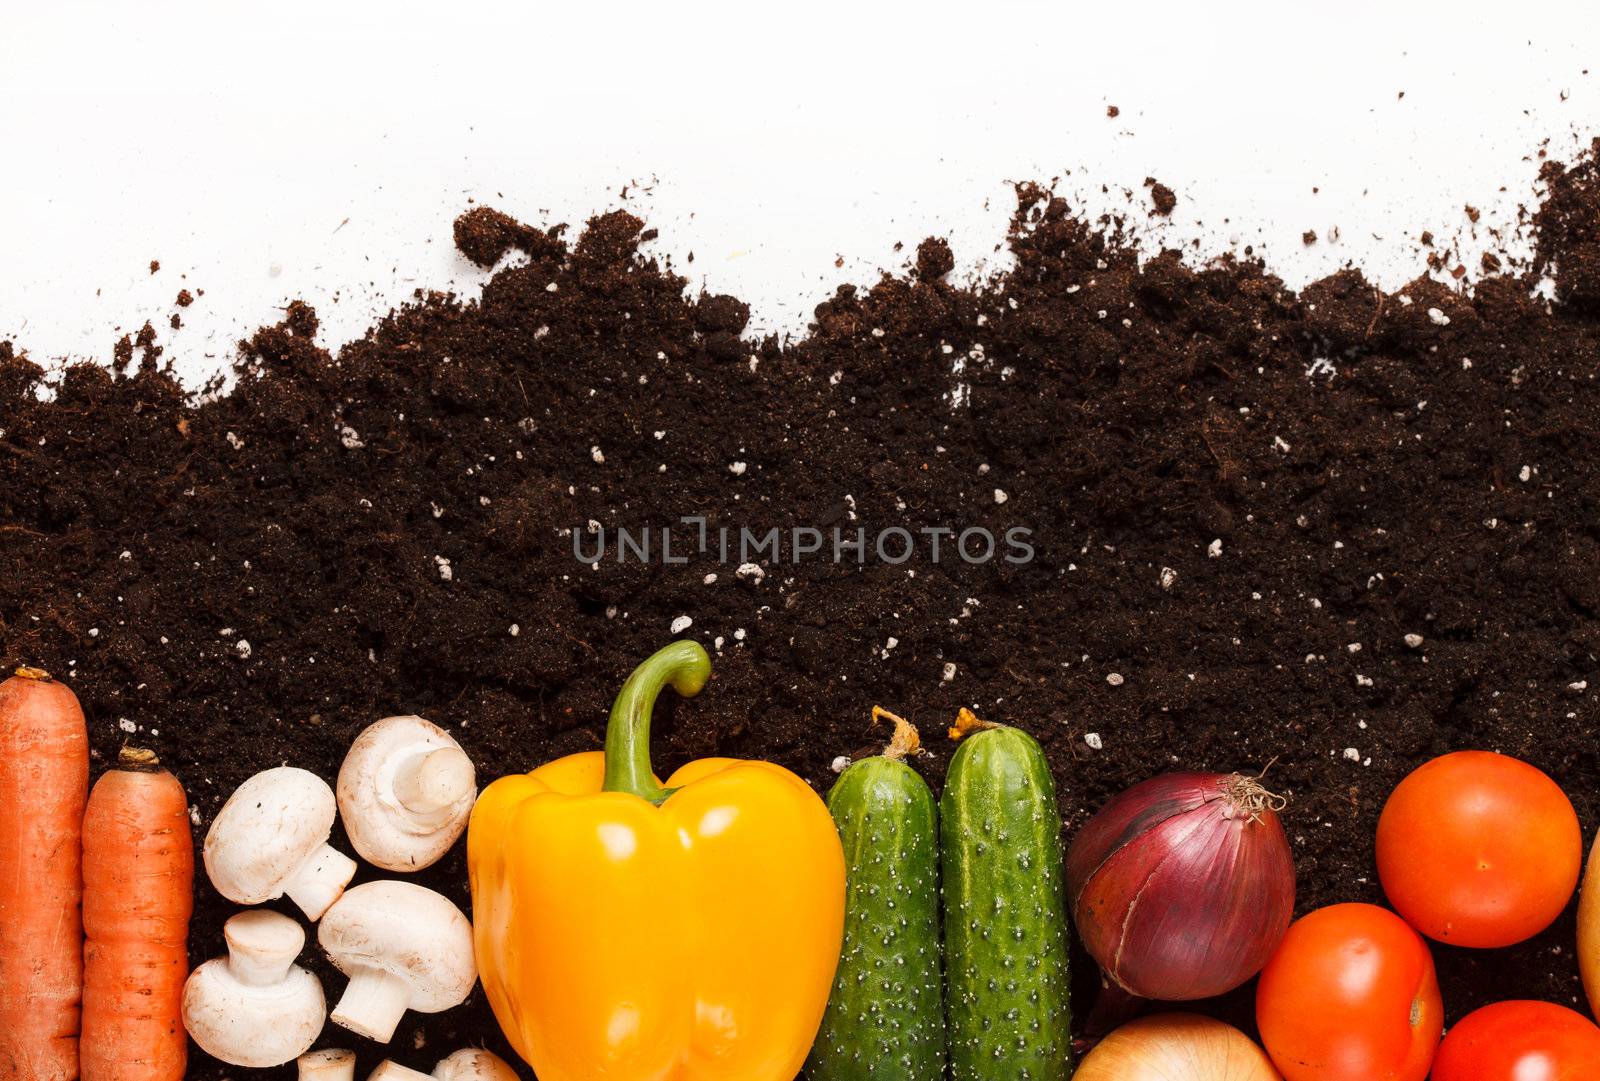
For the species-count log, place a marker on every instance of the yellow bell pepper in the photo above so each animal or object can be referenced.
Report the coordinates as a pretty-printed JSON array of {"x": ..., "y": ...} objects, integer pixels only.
[{"x": 627, "y": 931}]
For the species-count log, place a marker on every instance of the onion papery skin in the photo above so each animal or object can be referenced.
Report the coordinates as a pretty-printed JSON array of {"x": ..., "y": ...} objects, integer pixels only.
[
  {"x": 1176, "y": 1047},
  {"x": 1183, "y": 885}
]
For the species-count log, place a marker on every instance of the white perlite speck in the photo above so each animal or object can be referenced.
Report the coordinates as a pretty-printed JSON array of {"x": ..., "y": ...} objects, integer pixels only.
[
  {"x": 243, "y": 648},
  {"x": 1168, "y": 577},
  {"x": 515, "y": 630},
  {"x": 1093, "y": 740},
  {"x": 1414, "y": 641},
  {"x": 840, "y": 764},
  {"x": 598, "y": 456},
  {"x": 1352, "y": 755},
  {"x": 737, "y": 468},
  {"x": 1115, "y": 679},
  {"x": 681, "y": 624},
  {"x": 1438, "y": 318},
  {"x": 709, "y": 579},
  {"x": 445, "y": 570},
  {"x": 949, "y": 672},
  {"x": 1526, "y": 474},
  {"x": 1214, "y": 549},
  {"x": 126, "y": 725},
  {"x": 236, "y": 443},
  {"x": 350, "y": 438},
  {"x": 1000, "y": 495},
  {"x": 751, "y": 572}
]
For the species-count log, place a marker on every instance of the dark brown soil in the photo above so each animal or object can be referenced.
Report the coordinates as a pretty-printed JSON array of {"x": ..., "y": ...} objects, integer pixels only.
[
  {"x": 1162, "y": 197},
  {"x": 1242, "y": 502}
]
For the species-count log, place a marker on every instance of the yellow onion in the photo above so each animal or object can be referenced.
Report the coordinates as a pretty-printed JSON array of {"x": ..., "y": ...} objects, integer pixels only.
[
  {"x": 1183, "y": 886},
  {"x": 1589, "y": 929},
  {"x": 1176, "y": 1047}
]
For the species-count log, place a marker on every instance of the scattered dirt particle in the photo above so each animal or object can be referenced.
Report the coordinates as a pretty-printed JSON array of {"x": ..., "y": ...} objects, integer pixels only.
[
  {"x": 1162, "y": 197},
  {"x": 934, "y": 259}
]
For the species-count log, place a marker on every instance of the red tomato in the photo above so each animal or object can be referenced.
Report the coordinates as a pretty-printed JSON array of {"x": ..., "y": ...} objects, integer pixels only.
[
  {"x": 1478, "y": 849},
  {"x": 1351, "y": 995},
  {"x": 1520, "y": 1041}
]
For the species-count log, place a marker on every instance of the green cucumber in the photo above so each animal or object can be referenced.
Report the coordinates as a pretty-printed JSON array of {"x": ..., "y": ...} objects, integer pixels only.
[
  {"x": 885, "y": 1018},
  {"x": 1005, "y": 917}
]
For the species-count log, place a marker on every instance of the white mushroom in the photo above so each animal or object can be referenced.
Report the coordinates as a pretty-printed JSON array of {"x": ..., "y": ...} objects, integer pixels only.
[
  {"x": 404, "y": 947},
  {"x": 467, "y": 1064},
  {"x": 271, "y": 839},
  {"x": 474, "y": 1064},
  {"x": 405, "y": 791},
  {"x": 333, "y": 1064},
  {"x": 255, "y": 1007},
  {"x": 389, "y": 1070}
]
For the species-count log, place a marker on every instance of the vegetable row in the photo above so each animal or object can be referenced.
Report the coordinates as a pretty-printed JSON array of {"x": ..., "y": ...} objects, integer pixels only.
[{"x": 726, "y": 922}]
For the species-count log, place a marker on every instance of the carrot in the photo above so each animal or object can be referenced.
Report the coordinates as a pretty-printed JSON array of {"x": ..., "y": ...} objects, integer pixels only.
[
  {"x": 138, "y": 894},
  {"x": 44, "y": 781}
]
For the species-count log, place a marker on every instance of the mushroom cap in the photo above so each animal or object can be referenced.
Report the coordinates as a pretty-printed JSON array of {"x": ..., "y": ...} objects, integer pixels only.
[
  {"x": 254, "y": 1026},
  {"x": 382, "y": 829},
  {"x": 474, "y": 1064},
  {"x": 265, "y": 832},
  {"x": 408, "y": 931}
]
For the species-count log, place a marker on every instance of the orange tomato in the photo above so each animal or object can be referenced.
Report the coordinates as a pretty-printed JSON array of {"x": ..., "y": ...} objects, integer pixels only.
[
  {"x": 1520, "y": 1041},
  {"x": 1351, "y": 995},
  {"x": 1478, "y": 849}
]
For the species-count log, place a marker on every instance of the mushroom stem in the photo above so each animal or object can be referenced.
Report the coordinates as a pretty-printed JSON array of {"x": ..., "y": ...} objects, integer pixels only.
[
  {"x": 436, "y": 780},
  {"x": 320, "y": 880},
  {"x": 390, "y": 1070},
  {"x": 262, "y": 945},
  {"x": 373, "y": 1003},
  {"x": 333, "y": 1064}
]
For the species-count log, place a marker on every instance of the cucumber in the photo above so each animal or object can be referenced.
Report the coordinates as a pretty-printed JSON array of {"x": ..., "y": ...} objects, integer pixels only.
[
  {"x": 1005, "y": 917},
  {"x": 885, "y": 1019}
]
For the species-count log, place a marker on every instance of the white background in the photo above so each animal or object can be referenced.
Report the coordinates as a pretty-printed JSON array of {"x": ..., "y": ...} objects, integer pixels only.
[{"x": 320, "y": 150}]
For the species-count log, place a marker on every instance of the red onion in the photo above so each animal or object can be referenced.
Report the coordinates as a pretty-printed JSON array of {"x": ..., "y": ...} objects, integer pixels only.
[{"x": 1183, "y": 885}]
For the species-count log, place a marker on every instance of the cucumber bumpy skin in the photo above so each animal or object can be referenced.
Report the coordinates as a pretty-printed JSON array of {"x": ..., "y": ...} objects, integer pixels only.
[
  {"x": 1005, "y": 914},
  {"x": 885, "y": 1019}
]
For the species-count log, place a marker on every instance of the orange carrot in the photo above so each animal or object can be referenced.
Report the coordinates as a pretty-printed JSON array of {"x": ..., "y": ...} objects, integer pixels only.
[
  {"x": 44, "y": 781},
  {"x": 138, "y": 894}
]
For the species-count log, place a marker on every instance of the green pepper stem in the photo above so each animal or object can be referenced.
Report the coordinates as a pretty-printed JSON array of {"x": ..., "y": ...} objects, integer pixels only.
[{"x": 683, "y": 664}]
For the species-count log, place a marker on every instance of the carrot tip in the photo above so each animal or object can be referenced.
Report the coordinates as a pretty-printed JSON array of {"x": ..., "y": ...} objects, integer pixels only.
[
  {"x": 137, "y": 758},
  {"x": 25, "y": 672}
]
